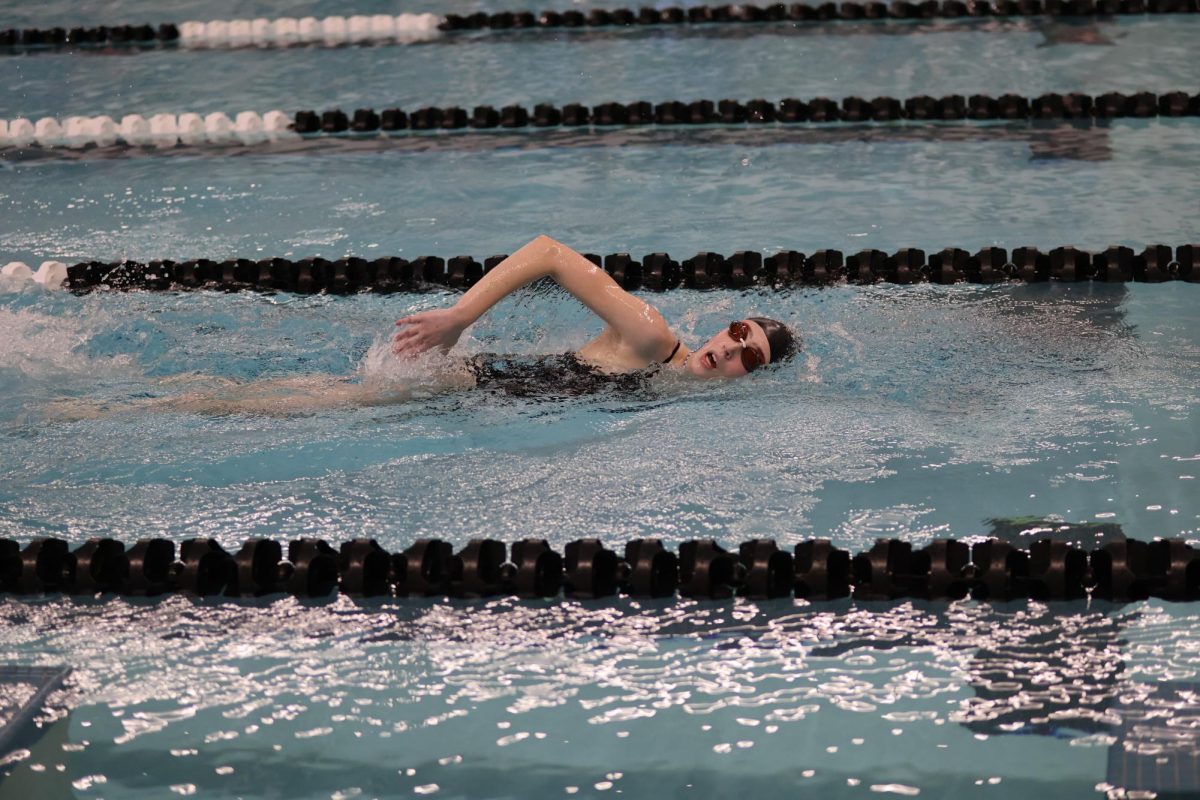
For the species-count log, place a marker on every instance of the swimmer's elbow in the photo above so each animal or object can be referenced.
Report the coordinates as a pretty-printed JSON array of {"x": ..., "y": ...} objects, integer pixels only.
[
  {"x": 544, "y": 240},
  {"x": 553, "y": 254}
]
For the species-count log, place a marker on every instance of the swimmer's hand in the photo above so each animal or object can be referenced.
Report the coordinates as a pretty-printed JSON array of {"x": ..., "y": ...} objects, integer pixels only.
[{"x": 428, "y": 330}]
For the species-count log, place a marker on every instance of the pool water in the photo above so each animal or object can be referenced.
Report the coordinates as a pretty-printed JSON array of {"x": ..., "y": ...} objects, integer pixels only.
[{"x": 913, "y": 412}]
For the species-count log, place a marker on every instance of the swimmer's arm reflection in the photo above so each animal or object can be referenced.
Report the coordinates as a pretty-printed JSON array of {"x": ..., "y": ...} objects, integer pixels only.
[{"x": 635, "y": 334}]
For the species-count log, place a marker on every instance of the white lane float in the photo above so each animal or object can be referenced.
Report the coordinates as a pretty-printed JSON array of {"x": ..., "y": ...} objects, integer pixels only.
[
  {"x": 216, "y": 33},
  {"x": 103, "y": 131},
  {"x": 191, "y": 128},
  {"x": 159, "y": 130},
  {"x": 76, "y": 131},
  {"x": 332, "y": 30},
  {"x": 164, "y": 130},
  {"x": 218, "y": 128},
  {"x": 192, "y": 33},
  {"x": 383, "y": 26},
  {"x": 358, "y": 28},
  {"x": 309, "y": 29},
  {"x": 52, "y": 274},
  {"x": 239, "y": 32},
  {"x": 283, "y": 32},
  {"x": 278, "y": 125},
  {"x": 248, "y": 128},
  {"x": 48, "y": 132},
  {"x": 16, "y": 271},
  {"x": 260, "y": 31},
  {"x": 20, "y": 132},
  {"x": 135, "y": 130}
]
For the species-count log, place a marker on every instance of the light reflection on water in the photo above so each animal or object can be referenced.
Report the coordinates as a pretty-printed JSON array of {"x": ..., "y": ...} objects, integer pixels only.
[
  {"x": 917, "y": 412},
  {"x": 394, "y": 696}
]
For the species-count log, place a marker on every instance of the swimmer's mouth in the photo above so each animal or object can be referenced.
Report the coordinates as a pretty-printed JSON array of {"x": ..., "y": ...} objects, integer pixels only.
[{"x": 709, "y": 360}]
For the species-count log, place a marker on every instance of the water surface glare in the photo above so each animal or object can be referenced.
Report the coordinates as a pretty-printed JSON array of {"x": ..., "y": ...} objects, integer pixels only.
[{"x": 960, "y": 700}]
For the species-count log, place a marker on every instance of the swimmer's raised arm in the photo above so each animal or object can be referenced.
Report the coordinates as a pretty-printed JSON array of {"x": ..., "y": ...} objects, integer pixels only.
[{"x": 638, "y": 327}]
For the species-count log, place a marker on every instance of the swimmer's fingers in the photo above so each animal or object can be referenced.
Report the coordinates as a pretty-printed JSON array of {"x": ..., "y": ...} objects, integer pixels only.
[
  {"x": 413, "y": 331},
  {"x": 415, "y": 346},
  {"x": 439, "y": 328},
  {"x": 408, "y": 342},
  {"x": 410, "y": 339},
  {"x": 406, "y": 333},
  {"x": 414, "y": 318},
  {"x": 407, "y": 348}
]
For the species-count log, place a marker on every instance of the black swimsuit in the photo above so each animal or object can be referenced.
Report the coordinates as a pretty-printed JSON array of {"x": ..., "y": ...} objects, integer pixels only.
[{"x": 561, "y": 375}]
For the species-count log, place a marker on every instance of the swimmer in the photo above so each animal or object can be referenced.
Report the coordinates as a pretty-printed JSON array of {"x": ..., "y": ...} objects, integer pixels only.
[
  {"x": 635, "y": 343},
  {"x": 635, "y": 337}
]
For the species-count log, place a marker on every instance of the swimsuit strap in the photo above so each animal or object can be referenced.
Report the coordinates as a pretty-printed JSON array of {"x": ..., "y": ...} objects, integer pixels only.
[{"x": 667, "y": 360}]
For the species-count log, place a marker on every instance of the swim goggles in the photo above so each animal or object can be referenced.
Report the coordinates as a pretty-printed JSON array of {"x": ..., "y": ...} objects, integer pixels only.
[{"x": 752, "y": 359}]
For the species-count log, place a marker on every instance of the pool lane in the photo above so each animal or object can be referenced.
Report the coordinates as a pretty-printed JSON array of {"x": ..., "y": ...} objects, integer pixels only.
[
  {"x": 679, "y": 192},
  {"x": 1028, "y": 56}
]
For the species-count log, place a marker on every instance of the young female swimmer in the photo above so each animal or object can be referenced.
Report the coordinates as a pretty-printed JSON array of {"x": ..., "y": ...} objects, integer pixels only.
[
  {"x": 635, "y": 342},
  {"x": 636, "y": 335}
]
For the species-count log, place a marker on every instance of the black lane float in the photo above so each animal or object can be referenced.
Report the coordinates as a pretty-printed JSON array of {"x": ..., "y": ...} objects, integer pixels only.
[
  {"x": 816, "y": 570},
  {"x": 812, "y": 12},
  {"x": 1074, "y": 106},
  {"x": 658, "y": 271}
]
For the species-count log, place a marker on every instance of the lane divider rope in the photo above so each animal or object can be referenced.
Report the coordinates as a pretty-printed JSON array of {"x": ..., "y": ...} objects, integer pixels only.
[
  {"x": 233, "y": 33},
  {"x": 817, "y": 12},
  {"x": 404, "y": 28},
  {"x": 946, "y": 569},
  {"x": 250, "y": 127},
  {"x": 654, "y": 272}
]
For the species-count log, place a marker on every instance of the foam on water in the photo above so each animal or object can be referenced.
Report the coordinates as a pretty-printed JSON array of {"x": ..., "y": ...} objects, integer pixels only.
[
  {"x": 380, "y": 364},
  {"x": 36, "y": 346}
]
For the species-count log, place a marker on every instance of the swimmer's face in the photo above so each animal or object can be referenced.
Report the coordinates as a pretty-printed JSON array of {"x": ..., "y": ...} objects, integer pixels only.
[{"x": 722, "y": 355}]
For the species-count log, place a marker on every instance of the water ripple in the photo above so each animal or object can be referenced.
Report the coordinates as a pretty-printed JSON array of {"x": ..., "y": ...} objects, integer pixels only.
[{"x": 459, "y": 682}]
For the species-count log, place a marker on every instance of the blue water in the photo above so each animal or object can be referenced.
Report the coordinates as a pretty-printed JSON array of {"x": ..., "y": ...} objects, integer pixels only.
[
  {"x": 1131, "y": 183},
  {"x": 1128, "y": 54},
  {"x": 915, "y": 412},
  {"x": 1038, "y": 400}
]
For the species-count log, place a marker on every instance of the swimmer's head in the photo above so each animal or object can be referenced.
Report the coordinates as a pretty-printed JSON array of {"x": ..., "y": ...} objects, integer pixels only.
[{"x": 743, "y": 347}]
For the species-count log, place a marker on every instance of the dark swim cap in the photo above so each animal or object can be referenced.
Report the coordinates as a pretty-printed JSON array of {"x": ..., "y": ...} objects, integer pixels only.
[{"x": 784, "y": 343}]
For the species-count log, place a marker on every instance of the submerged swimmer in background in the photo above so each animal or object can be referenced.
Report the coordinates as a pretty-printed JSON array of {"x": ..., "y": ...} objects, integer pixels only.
[{"x": 635, "y": 343}]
